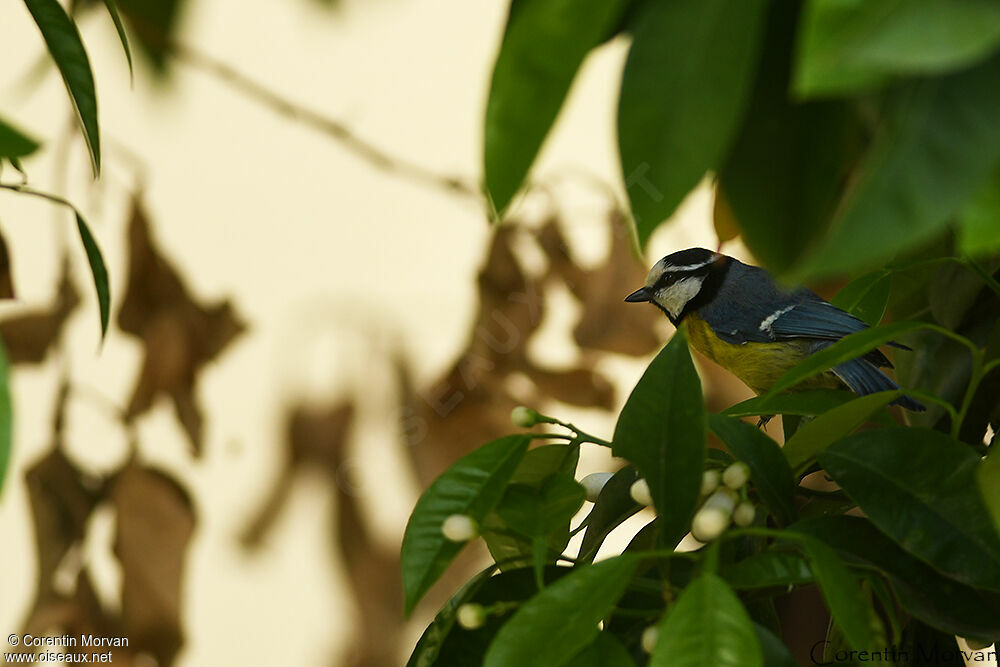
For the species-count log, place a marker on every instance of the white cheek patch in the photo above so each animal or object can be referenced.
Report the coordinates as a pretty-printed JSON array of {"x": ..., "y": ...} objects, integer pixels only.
[{"x": 676, "y": 296}]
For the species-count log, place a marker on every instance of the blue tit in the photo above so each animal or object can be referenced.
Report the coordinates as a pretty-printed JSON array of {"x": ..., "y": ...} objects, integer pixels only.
[{"x": 737, "y": 316}]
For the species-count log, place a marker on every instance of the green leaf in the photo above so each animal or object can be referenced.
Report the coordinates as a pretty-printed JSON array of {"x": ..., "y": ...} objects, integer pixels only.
[
  {"x": 543, "y": 45},
  {"x": 776, "y": 654},
  {"x": 13, "y": 143},
  {"x": 537, "y": 467},
  {"x": 979, "y": 220},
  {"x": 769, "y": 471},
  {"x": 605, "y": 651},
  {"x": 787, "y": 164},
  {"x": 661, "y": 430},
  {"x": 613, "y": 506},
  {"x": 472, "y": 486},
  {"x": 98, "y": 270},
  {"x": 707, "y": 626},
  {"x": 6, "y": 414},
  {"x": 866, "y": 297},
  {"x": 561, "y": 619},
  {"x": 845, "y": 349},
  {"x": 808, "y": 402},
  {"x": 936, "y": 146},
  {"x": 120, "y": 29},
  {"x": 923, "y": 591},
  {"x": 988, "y": 477},
  {"x": 918, "y": 487},
  {"x": 538, "y": 511},
  {"x": 849, "y": 46},
  {"x": 64, "y": 44},
  {"x": 768, "y": 569},
  {"x": 849, "y": 606},
  {"x": 815, "y": 436},
  {"x": 686, "y": 82}
]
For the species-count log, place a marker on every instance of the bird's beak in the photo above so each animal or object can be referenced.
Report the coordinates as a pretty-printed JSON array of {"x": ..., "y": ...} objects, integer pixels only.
[{"x": 638, "y": 296}]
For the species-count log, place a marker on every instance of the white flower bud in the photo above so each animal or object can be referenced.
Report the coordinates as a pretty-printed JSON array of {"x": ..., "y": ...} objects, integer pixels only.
[
  {"x": 713, "y": 517},
  {"x": 459, "y": 528},
  {"x": 744, "y": 514},
  {"x": 709, "y": 481},
  {"x": 736, "y": 475},
  {"x": 649, "y": 637},
  {"x": 524, "y": 417},
  {"x": 640, "y": 492},
  {"x": 594, "y": 482},
  {"x": 471, "y": 615}
]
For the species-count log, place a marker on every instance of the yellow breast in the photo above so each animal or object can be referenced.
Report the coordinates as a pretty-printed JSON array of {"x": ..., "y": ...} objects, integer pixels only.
[{"x": 758, "y": 365}]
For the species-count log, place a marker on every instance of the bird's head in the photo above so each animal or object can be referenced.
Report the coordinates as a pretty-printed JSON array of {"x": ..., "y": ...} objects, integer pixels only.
[{"x": 677, "y": 283}]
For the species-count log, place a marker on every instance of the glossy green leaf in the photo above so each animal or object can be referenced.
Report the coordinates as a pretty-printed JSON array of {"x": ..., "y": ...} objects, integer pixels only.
[
  {"x": 14, "y": 143},
  {"x": 613, "y": 506},
  {"x": 988, "y": 477},
  {"x": 769, "y": 471},
  {"x": 866, "y": 297},
  {"x": 768, "y": 569},
  {"x": 661, "y": 430},
  {"x": 919, "y": 487},
  {"x": 707, "y": 626},
  {"x": 538, "y": 511},
  {"x": 554, "y": 625},
  {"x": 6, "y": 415},
  {"x": 808, "y": 402},
  {"x": 681, "y": 101},
  {"x": 815, "y": 436},
  {"x": 937, "y": 144},
  {"x": 472, "y": 486},
  {"x": 543, "y": 45},
  {"x": 536, "y": 468},
  {"x": 923, "y": 591},
  {"x": 98, "y": 271},
  {"x": 979, "y": 220},
  {"x": 66, "y": 48},
  {"x": 845, "y": 349},
  {"x": 776, "y": 654},
  {"x": 542, "y": 462},
  {"x": 605, "y": 651},
  {"x": 785, "y": 169},
  {"x": 120, "y": 29},
  {"x": 849, "y": 606},
  {"x": 849, "y": 46}
]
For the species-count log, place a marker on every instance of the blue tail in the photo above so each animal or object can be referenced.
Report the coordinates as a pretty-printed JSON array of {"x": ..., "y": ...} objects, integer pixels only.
[{"x": 864, "y": 378}]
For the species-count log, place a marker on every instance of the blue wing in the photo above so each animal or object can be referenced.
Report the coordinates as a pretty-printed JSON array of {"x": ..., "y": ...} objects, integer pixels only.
[
  {"x": 863, "y": 379},
  {"x": 815, "y": 318}
]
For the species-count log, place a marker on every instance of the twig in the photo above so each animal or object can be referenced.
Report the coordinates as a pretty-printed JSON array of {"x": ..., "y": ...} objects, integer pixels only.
[{"x": 332, "y": 128}]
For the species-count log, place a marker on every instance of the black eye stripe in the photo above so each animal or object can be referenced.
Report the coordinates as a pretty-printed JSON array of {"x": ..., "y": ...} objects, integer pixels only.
[{"x": 670, "y": 277}]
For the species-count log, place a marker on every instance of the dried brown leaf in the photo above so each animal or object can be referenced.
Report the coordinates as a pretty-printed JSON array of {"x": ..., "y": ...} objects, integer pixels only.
[
  {"x": 29, "y": 337},
  {"x": 180, "y": 334},
  {"x": 155, "y": 523}
]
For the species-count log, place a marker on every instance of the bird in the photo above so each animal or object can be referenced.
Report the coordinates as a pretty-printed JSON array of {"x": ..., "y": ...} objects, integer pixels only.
[{"x": 740, "y": 318}]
